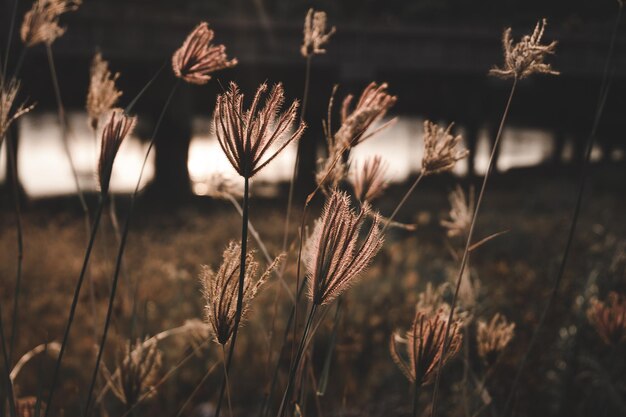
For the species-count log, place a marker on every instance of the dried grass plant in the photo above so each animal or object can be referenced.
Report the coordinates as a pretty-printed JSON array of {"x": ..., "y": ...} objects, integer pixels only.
[
  {"x": 9, "y": 110},
  {"x": 197, "y": 58},
  {"x": 315, "y": 33},
  {"x": 369, "y": 180},
  {"x": 41, "y": 22},
  {"x": 102, "y": 94},
  {"x": 493, "y": 337}
]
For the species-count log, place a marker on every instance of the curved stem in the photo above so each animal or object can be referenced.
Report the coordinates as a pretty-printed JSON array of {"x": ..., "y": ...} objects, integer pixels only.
[
  {"x": 230, "y": 406},
  {"x": 470, "y": 234},
  {"x": 604, "y": 91},
  {"x": 92, "y": 238},
  {"x": 120, "y": 253},
  {"x": 242, "y": 275}
]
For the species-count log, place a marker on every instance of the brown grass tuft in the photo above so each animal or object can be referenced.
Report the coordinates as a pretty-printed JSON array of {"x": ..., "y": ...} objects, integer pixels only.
[
  {"x": 102, "y": 94},
  {"x": 115, "y": 131},
  {"x": 441, "y": 151},
  {"x": 315, "y": 35},
  {"x": 493, "y": 337},
  {"x": 41, "y": 22}
]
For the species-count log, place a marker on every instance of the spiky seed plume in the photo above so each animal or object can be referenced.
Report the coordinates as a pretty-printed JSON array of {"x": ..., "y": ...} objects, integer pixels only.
[
  {"x": 315, "y": 35},
  {"x": 138, "y": 372},
  {"x": 220, "y": 290},
  {"x": 41, "y": 22},
  {"x": 369, "y": 179},
  {"x": 609, "y": 318},
  {"x": 115, "y": 131},
  {"x": 8, "y": 115},
  {"x": 527, "y": 56},
  {"x": 336, "y": 258},
  {"x": 102, "y": 94},
  {"x": 493, "y": 336},
  {"x": 246, "y": 137},
  {"x": 423, "y": 345},
  {"x": 197, "y": 58},
  {"x": 441, "y": 149},
  {"x": 461, "y": 212}
]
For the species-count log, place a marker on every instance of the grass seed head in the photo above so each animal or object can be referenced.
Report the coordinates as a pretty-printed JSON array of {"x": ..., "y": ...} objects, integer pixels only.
[
  {"x": 369, "y": 179},
  {"x": 115, "y": 131},
  {"x": 441, "y": 149},
  {"x": 315, "y": 34},
  {"x": 102, "y": 94},
  {"x": 493, "y": 337},
  {"x": 41, "y": 22}
]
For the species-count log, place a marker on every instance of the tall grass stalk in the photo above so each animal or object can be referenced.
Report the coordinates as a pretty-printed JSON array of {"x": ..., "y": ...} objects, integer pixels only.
[
  {"x": 20, "y": 247},
  {"x": 70, "y": 320},
  {"x": 5, "y": 357},
  {"x": 468, "y": 243},
  {"x": 122, "y": 247},
  {"x": 401, "y": 203},
  {"x": 582, "y": 180},
  {"x": 9, "y": 40},
  {"x": 242, "y": 274}
]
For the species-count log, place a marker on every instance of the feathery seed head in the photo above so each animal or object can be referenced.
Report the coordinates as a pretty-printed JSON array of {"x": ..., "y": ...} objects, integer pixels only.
[
  {"x": 609, "y": 318},
  {"x": 247, "y": 136},
  {"x": 41, "y": 22},
  {"x": 197, "y": 58},
  {"x": 8, "y": 93},
  {"x": 337, "y": 259},
  {"x": 115, "y": 131},
  {"x": 369, "y": 180},
  {"x": 461, "y": 212},
  {"x": 220, "y": 290},
  {"x": 372, "y": 106},
  {"x": 138, "y": 372},
  {"x": 527, "y": 56},
  {"x": 102, "y": 94},
  {"x": 441, "y": 150},
  {"x": 315, "y": 35},
  {"x": 493, "y": 337},
  {"x": 423, "y": 345}
]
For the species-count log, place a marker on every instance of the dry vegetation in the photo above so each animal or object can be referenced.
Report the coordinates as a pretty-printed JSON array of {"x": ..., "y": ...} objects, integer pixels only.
[{"x": 489, "y": 304}]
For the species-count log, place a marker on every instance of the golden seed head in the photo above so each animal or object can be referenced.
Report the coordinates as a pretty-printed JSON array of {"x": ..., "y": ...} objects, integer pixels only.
[
  {"x": 220, "y": 290},
  {"x": 41, "y": 22},
  {"x": 609, "y": 318},
  {"x": 441, "y": 151},
  {"x": 337, "y": 257},
  {"x": 369, "y": 180},
  {"x": 527, "y": 56},
  {"x": 115, "y": 131},
  {"x": 138, "y": 372},
  {"x": 423, "y": 346},
  {"x": 247, "y": 137},
  {"x": 372, "y": 106},
  {"x": 102, "y": 94},
  {"x": 8, "y": 115},
  {"x": 493, "y": 337},
  {"x": 197, "y": 58},
  {"x": 461, "y": 212},
  {"x": 315, "y": 35}
]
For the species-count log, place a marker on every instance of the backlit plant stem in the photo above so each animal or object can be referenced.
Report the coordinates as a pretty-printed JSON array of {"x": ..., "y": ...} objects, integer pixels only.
[{"x": 470, "y": 234}]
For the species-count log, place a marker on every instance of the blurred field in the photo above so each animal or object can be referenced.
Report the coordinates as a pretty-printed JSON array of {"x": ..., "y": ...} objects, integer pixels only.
[{"x": 569, "y": 370}]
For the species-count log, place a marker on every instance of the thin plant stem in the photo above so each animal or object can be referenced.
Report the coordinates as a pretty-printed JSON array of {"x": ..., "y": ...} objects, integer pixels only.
[
  {"x": 296, "y": 363},
  {"x": 9, "y": 39},
  {"x": 196, "y": 389},
  {"x": 230, "y": 406},
  {"x": 70, "y": 320},
  {"x": 416, "y": 391},
  {"x": 20, "y": 246},
  {"x": 401, "y": 203},
  {"x": 122, "y": 247},
  {"x": 242, "y": 275},
  {"x": 470, "y": 234},
  {"x": 7, "y": 367},
  {"x": 604, "y": 92},
  {"x": 64, "y": 128}
]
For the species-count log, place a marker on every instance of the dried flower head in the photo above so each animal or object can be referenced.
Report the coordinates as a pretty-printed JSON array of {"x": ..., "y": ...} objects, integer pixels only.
[
  {"x": 247, "y": 136},
  {"x": 336, "y": 258},
  {"x": 102, "y": 94},
  {"x": 138, "y": 372},
  {"x": 372, "y": 106},
  {"x": 315, "y": 35},
  {"x": 609, "y": 319},
  {"x": 220, "y": 290},
  {"x": 369, "y": 179},
  {"x": 8, "y": 115},
  {"x": 423, "y": 345},
  {"x": 197, "y": 59},
  {"x": 440, "y": 149},
  {"x": 41, "y": 22},
  {"x": 27, "y": 407},
  {"x": 527, "y": 56},
  {"x": 461, "y": 212},
  {"x": 493, "y": 337},
  {"x": 115, "y": 131}
]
